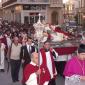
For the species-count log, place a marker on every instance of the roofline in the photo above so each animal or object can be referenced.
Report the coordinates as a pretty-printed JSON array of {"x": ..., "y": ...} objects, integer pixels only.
[{"x": 20, "y": 3}]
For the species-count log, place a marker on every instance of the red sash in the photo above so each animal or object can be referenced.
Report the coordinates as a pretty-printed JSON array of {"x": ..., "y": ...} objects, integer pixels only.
[{"x": 45, "y": 62}]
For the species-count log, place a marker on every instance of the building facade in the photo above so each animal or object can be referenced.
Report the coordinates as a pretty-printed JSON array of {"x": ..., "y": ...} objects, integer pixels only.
[
  {"x": 1, "y": 12},
  {"x": 82, "y": 12},
  {"x": 26, "y": 11},
  {"x": 75, "y": 10},
  {"x": 70, "y": 9}
]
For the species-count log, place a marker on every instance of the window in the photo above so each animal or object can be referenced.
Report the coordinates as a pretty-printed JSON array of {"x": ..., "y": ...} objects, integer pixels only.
[
  {"x": 34, "y": 7},
  {"x": 26, "y": 19}
]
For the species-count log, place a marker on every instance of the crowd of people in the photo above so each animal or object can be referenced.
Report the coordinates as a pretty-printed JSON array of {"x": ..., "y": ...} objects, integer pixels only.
[{"x": 18, "y": 48}]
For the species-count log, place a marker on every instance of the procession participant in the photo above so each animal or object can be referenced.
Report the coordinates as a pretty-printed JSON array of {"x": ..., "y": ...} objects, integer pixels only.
[
  {"x": 83, "y": 38},
  {"x": 14, "y": 54},
  {"x": 8, "y": 37},
  {"x": 32, "y": 72},
  {"x": 2, "y": 56},
  {"x": 47, "y": 54},
  {"x": 75, "y": 68},
  {"x": 3, "y": 39},
  {"x": 26, "y": 52},
  {"x": 24, "y": 37}
]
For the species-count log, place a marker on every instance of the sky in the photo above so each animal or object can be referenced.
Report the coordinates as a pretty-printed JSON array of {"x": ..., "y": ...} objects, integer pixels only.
[{"x": 64, "y": 1}]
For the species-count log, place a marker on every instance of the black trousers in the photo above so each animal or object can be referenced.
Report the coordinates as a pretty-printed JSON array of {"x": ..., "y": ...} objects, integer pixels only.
[
  {"x": 15, "y": 67},
  {"x": 60, "y": 65},
  {"x": 52, "y": 82},
  {"x": 23, "y": 84}
]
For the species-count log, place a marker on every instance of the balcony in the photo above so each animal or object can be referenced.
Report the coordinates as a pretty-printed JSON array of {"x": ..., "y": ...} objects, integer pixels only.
[
  {"x": 8, "y": 2},
  {"x": 33, "y": 1},
  {"x": 56, "y": 3}
]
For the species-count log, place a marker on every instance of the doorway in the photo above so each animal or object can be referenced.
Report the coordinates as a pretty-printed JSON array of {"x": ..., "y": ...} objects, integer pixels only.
[{"x": 54, "y": 18}]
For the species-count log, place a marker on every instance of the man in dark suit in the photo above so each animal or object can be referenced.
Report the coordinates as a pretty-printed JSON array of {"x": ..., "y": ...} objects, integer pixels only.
[{"x": 26, "y": 52}]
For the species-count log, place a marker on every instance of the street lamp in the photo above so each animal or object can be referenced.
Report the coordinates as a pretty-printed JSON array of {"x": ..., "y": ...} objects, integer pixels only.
[{"x": 39, "y": 28}]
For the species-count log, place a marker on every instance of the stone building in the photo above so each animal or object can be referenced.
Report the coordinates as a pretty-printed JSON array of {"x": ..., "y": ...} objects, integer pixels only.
[{"x": 26, "y": 11}]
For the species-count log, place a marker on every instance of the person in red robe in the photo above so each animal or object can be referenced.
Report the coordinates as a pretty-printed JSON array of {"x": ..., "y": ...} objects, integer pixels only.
[
  {"x": 47, "y": 56},
  {"x": 33, "y": 75},
  {"x": 3, "y": 40}
]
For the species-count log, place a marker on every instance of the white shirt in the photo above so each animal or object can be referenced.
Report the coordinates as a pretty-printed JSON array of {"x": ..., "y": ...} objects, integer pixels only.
[
  {"x": 8, "y": 41},
  {"x": 15, "y": 51},
  {"x": 29, "y": 48}
]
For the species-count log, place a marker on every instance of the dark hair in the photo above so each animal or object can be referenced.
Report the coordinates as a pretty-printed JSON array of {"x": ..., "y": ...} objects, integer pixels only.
[
  {"x": 81, "y": 48},
  {"x": 29, "y": 37},
  {"x": 47, "y": 41}
]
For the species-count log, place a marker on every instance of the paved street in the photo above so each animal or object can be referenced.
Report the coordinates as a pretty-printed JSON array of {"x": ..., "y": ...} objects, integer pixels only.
[{"x": 5, "y": 79}]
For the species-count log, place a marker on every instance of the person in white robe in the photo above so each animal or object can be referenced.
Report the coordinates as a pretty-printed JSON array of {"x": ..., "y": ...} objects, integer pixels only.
[{"x": 2, "y": 56}]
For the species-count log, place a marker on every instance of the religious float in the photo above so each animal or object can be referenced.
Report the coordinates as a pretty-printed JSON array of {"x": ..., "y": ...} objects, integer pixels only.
[{"x": 64, "y": 43}]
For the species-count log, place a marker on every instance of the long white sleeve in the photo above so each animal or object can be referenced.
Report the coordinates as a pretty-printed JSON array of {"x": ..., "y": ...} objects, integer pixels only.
[
  {"x": 32, "y": 79},
  {"x": 46, "y": 83}
]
